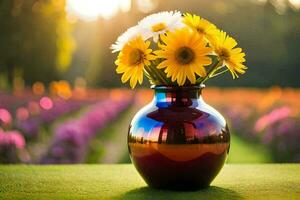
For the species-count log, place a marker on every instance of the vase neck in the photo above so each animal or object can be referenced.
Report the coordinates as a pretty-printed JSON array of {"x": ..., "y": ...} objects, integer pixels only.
[{"x": 177, "y": 96}]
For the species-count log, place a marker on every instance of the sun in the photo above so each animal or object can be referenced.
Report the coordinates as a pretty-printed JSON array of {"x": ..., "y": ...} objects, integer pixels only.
[{"x": 92, "y": 9}]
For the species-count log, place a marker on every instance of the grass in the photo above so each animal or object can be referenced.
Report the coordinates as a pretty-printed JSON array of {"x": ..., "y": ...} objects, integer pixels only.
[
  {"x": 265, "y": 181},
  {"x": 242, "y": 151}
]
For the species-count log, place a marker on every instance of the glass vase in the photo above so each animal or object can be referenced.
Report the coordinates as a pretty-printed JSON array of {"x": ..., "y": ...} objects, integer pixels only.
[{"x": 178, "y": 141}]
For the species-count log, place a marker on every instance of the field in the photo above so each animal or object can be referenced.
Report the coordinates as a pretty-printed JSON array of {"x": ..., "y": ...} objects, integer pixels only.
[{"x": 90, "y": 126}]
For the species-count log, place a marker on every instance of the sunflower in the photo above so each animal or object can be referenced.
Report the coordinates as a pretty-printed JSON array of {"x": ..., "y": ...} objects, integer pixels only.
[
  {"x": 131, "y": 60},
  {"x": 233, "y": 58},
  {"x": 202, "y": 26},
  {"x": 159, "y": 23},
  {"x": 185, "y": 54}
]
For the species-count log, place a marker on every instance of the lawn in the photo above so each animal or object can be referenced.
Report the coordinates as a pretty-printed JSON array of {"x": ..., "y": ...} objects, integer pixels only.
[
  {"x": 242, "y": 151},
  {"x": 236, "y": 181}
]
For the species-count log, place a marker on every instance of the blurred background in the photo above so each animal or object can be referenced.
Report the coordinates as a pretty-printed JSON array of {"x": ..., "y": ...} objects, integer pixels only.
[{"x": 62, "y": 102}]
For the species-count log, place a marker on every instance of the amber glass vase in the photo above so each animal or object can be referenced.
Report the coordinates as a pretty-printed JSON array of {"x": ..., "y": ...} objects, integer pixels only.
[{"x": 178, "y": 141}]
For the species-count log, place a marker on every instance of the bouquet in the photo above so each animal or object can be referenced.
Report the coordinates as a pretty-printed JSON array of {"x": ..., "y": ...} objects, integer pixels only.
[{"x": 172, "y": 49}]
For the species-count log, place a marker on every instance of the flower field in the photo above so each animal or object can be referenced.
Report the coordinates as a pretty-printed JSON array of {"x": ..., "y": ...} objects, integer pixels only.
[{"x": 58, "y": 127}]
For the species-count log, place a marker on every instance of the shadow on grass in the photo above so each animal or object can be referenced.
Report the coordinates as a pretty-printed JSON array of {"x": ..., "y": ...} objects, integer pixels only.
[{"x": 212, "y": 192}]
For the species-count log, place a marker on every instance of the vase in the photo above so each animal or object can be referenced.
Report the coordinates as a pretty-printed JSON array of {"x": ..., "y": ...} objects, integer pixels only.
[{"x": 178, "y": 141}]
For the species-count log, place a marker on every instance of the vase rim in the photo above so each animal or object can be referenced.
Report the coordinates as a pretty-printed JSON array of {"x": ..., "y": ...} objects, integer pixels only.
[{"x": 173, "y": 87}]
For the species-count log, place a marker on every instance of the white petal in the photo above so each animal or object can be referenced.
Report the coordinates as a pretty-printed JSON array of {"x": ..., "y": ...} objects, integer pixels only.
[
  {"x": 171, "y": 19},
  {"x": 126, "y": 37}
]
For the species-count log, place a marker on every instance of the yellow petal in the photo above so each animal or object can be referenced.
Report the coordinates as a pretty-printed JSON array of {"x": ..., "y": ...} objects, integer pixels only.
[
  {"x": 125, "y": 77},
  {"x": 191, "y": 76},
  {"x": 133, "y": 81}
]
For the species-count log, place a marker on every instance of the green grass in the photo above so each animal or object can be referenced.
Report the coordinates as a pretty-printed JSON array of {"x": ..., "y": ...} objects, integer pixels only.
[
  {"x": 268, "y": 181},
  {"x": 242, "y": 151}
]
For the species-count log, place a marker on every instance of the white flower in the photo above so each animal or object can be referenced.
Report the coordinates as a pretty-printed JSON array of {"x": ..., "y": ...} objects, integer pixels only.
[
  {"x": 126, "y": 37},
  {"x": 159, "y": 23}
]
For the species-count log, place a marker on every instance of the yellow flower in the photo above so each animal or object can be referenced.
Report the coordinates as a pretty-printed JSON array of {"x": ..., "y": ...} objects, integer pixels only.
[
  {"x": 185, "y": 53},
  {"x": 232, "y": 57},
  {"x": 131, "y": 60},
  {"x": 202, "y": 26}
]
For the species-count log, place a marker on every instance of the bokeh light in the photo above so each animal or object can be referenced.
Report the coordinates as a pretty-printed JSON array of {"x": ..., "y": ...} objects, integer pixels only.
[
  {"x": 5, "y": 116},
  {"x": 22, "y": 114},
  {"x": 33, "y": 107},
  {"x": 61, "y": 88},
  {"x": 46, "y": 103},
  {"x": 38, "y": 88}
]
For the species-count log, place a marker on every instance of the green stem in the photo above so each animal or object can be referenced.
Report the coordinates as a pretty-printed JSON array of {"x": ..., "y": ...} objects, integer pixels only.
[
  {"x": 217, "y": 74},
  {"x": 149, "y": 74},
  {"x": 214, "y": 68},
  {"x": 156, "y": 74},
  {"x": 151, "y": 79},
  {"x": 163, "y": 76},
  {"x": 159, "y": 74}
]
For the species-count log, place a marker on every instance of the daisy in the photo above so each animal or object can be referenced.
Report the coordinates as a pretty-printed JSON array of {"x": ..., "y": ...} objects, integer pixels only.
[
  {"x": 132, "y": 59},
  {"x": 159, "y": 23},
  {"x": 185, "y": 54},
  {"x": 233, "y": 58},
  {"x": 125, "y": 37},
  {"x": 202, "y": 26}
]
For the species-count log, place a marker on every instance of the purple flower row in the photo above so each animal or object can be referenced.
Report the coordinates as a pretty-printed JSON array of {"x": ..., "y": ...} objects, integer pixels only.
[
  {"x": 30, "y": 127},
  {"x": 11, "y": 142},
  {"x": 279, "y": 129},
  {"x": 28, "y": 113},
  {"x": 71, "y": 138}
]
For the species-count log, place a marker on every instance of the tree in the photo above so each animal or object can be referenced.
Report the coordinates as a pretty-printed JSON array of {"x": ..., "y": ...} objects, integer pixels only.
[{"x": 35, "y": 38}]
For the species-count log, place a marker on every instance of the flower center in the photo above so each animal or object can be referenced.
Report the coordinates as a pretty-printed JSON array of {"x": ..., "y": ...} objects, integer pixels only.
[
  {"x": 184, "y": 55},
  {"x": 224, "y": 54},
  {"x": 135, "y": 57},
  {"x": 158, "y": 27},
  {"x": 200, "y": 30}
]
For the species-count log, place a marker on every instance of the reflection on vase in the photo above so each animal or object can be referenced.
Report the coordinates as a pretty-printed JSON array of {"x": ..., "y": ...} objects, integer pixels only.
[{"x": 178, "y": 141}]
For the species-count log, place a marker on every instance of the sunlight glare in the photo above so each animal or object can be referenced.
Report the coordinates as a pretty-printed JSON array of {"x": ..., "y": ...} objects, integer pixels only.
[
  {"x": 295, "y": 3},
  {"x": 92, "y": 9}
]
